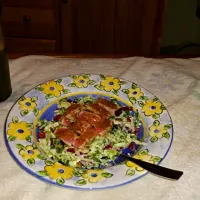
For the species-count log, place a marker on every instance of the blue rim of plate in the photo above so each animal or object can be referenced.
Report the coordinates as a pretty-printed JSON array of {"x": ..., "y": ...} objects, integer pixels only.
[{"x": 77, "y": 187}]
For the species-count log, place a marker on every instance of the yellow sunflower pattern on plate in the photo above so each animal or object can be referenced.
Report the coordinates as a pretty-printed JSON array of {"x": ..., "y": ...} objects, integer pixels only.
[
  {"x": 27, "y": 104},
  {"x": 158, "y": 131},
  {"x": 134, "y": 93},
  {"x": 93, "y": 176},
  {"x": 28, "y": 153},
  {"x": 19, "y": 130},
  {"x": 61, "y": 173},
  {"x": 58, "y": 172},
  {"x": 52, "y": 89},
  {"x": 110, "y": 84},
  {"x": 141, "y": 155},
  {"x": 152, "y": 107},
  {"x": 81, "y": 81}
]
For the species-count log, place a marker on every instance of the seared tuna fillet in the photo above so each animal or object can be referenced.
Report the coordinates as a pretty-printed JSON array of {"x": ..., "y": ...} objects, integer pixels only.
[
  {"x": 72, "y": 110},
  {"x": 107, "y": 105},
  {"x": 96, "y": 108},
  {"x": 82, "y": 123},
  {"x": 66, "y": 135}
]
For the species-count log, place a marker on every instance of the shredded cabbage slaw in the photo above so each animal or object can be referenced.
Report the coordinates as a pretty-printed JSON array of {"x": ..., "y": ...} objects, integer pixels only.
[{"x": 101, "y": 150}]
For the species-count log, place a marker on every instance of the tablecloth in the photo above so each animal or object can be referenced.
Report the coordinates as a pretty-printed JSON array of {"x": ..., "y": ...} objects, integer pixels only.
[{"x": 174, "y": 81}]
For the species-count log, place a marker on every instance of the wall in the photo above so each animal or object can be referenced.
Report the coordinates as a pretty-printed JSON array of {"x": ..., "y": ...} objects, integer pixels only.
[{"x": 181, "y": 24}]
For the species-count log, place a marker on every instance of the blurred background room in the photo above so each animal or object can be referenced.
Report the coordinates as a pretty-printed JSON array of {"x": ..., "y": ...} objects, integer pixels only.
[{"x": 153, "y": 28}]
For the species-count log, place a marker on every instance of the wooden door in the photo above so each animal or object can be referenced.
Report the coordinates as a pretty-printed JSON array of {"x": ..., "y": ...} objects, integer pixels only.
[{"x": 110, "y": 26}]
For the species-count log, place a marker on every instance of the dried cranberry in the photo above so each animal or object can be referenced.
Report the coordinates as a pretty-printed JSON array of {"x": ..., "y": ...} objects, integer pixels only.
[
  {"x": 137, "y": 130},
  {"x": 72, "y": 150},
  {"x": 57, "y": 118},
  {"x": 108, "y": 146},
  {"x": 119, "y": 111},
  {"x": 41, "y": 135},
  {"x": 132, "y": 146},
  {"x": 127, "y": 108},
  {"x": 128, "y": 119}
]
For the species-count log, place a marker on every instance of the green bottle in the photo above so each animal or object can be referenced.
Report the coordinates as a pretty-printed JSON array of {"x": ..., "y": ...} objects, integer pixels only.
[{"x": 5, "y": 83}]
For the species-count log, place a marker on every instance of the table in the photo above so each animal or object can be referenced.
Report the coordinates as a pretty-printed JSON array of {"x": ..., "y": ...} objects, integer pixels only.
[{"x": 174, "y": 81}]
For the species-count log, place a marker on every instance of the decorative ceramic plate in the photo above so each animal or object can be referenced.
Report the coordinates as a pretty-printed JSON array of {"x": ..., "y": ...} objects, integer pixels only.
[{"x": 40, "y": 103}]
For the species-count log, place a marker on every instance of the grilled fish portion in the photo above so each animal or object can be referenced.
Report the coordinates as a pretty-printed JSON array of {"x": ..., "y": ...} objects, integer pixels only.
[{"x": 82, "y": 123}]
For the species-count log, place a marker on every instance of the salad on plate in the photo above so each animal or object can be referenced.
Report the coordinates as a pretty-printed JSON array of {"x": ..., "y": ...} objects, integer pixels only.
[{"x": 88, "y": 132}]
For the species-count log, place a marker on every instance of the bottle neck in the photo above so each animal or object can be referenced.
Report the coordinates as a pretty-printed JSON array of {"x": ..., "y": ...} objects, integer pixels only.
[
  {"x": 1, "y": 7},
  {"x": 2, "y": 45}
]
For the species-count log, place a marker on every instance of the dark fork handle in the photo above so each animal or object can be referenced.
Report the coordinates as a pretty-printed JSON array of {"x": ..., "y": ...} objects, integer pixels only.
[{"x": 156, "y": 169}]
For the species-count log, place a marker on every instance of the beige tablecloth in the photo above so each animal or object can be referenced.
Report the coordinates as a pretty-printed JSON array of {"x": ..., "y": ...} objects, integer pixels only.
[{"x": 174, "y": 81}]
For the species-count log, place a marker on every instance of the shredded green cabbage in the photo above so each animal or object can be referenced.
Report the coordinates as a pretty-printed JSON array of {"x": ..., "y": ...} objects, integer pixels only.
[{"x": 100, "y": 151}]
